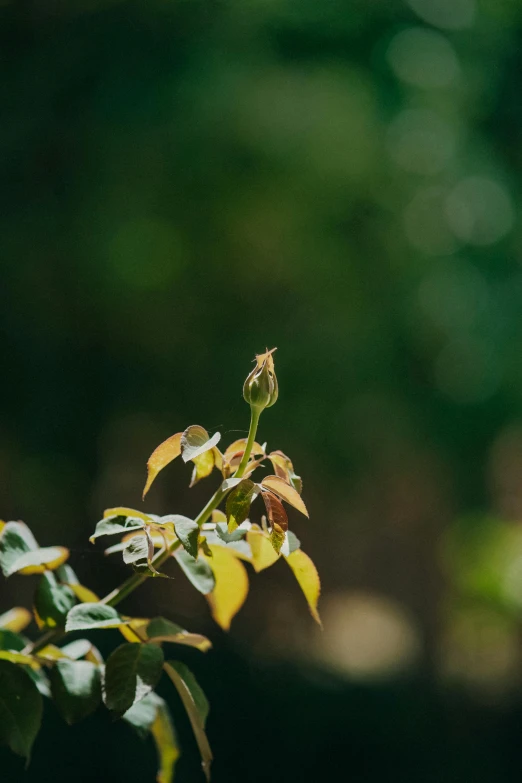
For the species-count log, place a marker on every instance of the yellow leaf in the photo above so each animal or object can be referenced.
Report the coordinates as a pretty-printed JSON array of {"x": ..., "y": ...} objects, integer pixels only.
[
  {"x": 2, "y": 524},
  {"x": 51, "y": 653},
  {"x": 83, "y": 594},
  {"x": 230, "y": 592},
  {"x": 219, "y": 516},
  {"x": 239, "y": 446},
  {"x": 288, "y": 493},
  {"x": 161, "y": 456},
  {"x": 18, "y": 657},
  {"x": 203, "y": 466},
  {"x": 39, "y": 560},
  {"x": 263, "y": 553},
  {"x": 135, "y": 630},
  {"x": 306, "y": 574},
  {"x": 122, "y": 511},
  {"x": 15, "y": 619},
  {"x": 166, "y": 744}
]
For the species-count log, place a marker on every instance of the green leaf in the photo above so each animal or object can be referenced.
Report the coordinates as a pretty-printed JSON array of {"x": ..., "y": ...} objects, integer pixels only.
[
  {"x": 161, "y": 630},
  {"x": 131, "y": 672},
  {"x": 196, "y": 706},
  {"x": 52, "y": 601},
  {"x": 166, "y": 744},
  {"x": 195, "y": 441},
  {"x": 20, "y": 709},
  {"x": 15, "y": 619},
  {"x": 110, "y": 526},
  {"x": 160, "y": 458},
  {"x": 139, "y": 551},
  {"x": 83, "y": 617},
  {"x": 198, "y": 572},
  {"x": 38, "y": 561},
  {"x": 238, "y": 504},
  {"x": 291, "y": 543},
  {"x": 77, "y": 649},
  {"x": 143, "y": 713},
  {"x": 75, "y": 688},
  {"x": 15, "y": 540},
  {"x": 229, "y": 538},
  {"x": 188, "y": 533}
]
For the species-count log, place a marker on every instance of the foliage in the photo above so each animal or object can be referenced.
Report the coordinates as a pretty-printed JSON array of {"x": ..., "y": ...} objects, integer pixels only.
[{"x": 210, "y": 550}]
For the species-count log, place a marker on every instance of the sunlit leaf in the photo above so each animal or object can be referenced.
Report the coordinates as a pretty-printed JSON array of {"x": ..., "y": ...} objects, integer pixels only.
[
  {"x": 75, "y": 688},
  {"x": 139, "y": 551},
  {"x": 38, "y": 561},
  {"x": 197, "y": 571},
  {"x": 230, "y": 592},
  {"x": 17, "y": 657},
  {"x": 80, "y": 648},
  {"x": 83, "y": 617},
  {"x": 196, "y": 706},
  {"x": 263, "y": 553},
  {"x": 166, "y": 744},
  {"x": 52, "y": 601},
  {"x": 143, "y": 713},
  {"x": 15, "y": 540},
  {"x": 51, "y": 653},
  {"x": 160, "y": 458},
  {"x": 203, "y": 466},
  {"x": 196, "y": 441},
  {"x": 123, "y": 511},
  {"x": 110, "y": 526},
  {"x": 306, "y": 574},
  {"x": 277, "y": 537},
  {"x": 219, "y": 516},
  {"x": 20, "y": 708},
  {"x": 230, "y": 483},
  {"x": 284, "y": 468},
  {"x": 161, "y": 630},
  {"x": 237, "y": 535},
  {"x": 188, "y": 533},
  {"x": 131, "y": 672},
  {"x": 135, "y": 631},
  {"x": 276, "y": 513},
  {"x": 15, "y": 619},
  {"x": 281, "y": 488},
  {"x": 239, "y": 446}
]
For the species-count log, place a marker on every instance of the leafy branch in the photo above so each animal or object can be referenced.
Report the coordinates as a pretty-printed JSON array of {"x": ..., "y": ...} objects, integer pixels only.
[{"x": 210, "y": 549}]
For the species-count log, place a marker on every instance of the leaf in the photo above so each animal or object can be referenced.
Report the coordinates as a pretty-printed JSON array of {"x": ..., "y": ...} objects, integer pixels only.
[
  {"x": 160, "y": 458},
  {"x": 306, "y": 574},
  {"x": 45, "y": 559},
  {"x": 281, "y": 488},
  {"x": 15, "y": 540},
  {"x": 230, "y": 483},
  {"x": 195, "y": 441},
  {"x": 143, "y": 713},
  {"x": 196, "y": 706},
  {"x": 110, "y": 526},
  {"x": 67, "y": 576},
  {"x": 263, "y": 553},
  {"x": 275, "y": 511},
  {"x": 284, "y": 469},
  {"x": 83, "y": 617},
  {"x": 238, "y": 504},
  {"x": 228, "y": 538},
  {"x": 52, "y": 601},
  {"x": 291, "y": 543},
  {"x": 203, "y": 466},
  {"x": 166, "y": 744},
  {"x": 77, "y": 649},
  {"x": 20, "y": 708},
  {"x": 277, "y": 537},
  {"x": 17, "y": 657},
  {"x": 161, "y": 630},
  {"x": 218, "y": 516},
  {"x": 123, "y": 511},
  {"x": 231, "y": 590},
  {"x": 198, "y": 572},
  {"x": 131, "y": 672},
  {"x": 239, "y": 446},
  {"x": 188, "y": 533},
  {"x": 75, "y": 688},
  {"x": 15, "y": 619},
  {"x": 9, "y": 640}
]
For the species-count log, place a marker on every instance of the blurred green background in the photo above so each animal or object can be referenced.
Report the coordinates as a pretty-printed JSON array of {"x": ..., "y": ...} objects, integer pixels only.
[{"x": 184, "y": 182}]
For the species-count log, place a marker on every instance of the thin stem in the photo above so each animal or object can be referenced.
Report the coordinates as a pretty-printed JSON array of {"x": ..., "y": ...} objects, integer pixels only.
[
  {"x": 113, "y": 598},
  {"x": 255, "y": 413}
]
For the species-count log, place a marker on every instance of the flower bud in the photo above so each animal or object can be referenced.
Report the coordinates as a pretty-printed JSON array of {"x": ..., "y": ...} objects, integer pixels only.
[{"x": 260, "y": 389}]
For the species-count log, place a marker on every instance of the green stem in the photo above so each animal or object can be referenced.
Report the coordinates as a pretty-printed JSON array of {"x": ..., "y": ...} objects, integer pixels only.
[
  {"x": 134, "y": 581},
  {"x": 255, "y": 413}
]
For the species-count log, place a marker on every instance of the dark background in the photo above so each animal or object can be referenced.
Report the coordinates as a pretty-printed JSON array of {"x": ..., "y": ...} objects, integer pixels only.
[{"x": 183, "y": 183}]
